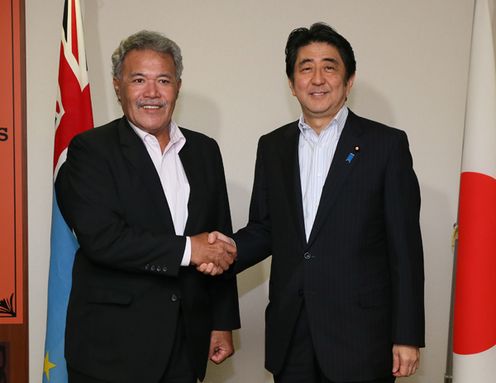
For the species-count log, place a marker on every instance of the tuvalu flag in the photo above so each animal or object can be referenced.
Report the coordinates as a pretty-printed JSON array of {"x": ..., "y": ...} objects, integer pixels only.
[
  {"x": 474, "y": 335},
  {"x": 73, "y": 115}
]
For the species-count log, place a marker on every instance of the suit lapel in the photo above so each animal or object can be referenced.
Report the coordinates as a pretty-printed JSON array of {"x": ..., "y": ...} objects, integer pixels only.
[
  {"x": 345, "y": 158},
  {"x": 135, "y": 152},
  {"x": 291, "y": 169}
]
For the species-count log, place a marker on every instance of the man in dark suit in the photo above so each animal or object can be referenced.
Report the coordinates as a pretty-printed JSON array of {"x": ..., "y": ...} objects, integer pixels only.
[
  {"x": 141, "y": 195},
  {"x": 336, "y": 202}
]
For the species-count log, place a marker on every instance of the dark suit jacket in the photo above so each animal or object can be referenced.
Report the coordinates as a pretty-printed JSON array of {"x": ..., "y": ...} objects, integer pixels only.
[
  {"x": 361, "y": 272},
  {"x": 128, "y": 286}
]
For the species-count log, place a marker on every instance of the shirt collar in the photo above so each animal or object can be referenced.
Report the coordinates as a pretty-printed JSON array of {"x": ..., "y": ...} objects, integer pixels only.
[
  {"x": 175, "y": 135},
  {"x": 338, "y": 120}
]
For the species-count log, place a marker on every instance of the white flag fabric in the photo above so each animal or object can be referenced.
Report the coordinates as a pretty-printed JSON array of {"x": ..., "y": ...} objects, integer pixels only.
[{"x": 474, "y": 331}]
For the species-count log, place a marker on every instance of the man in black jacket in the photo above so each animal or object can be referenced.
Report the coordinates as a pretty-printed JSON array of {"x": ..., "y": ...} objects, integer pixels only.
[
  {"x": 336, "y": 202},
  {"x": 140, "y": 194}
]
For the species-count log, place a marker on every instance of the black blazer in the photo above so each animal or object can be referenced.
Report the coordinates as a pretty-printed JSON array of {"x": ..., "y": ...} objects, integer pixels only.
[
  {"x": 128, "y": 286},
  {"x": 361, "y": 272}
]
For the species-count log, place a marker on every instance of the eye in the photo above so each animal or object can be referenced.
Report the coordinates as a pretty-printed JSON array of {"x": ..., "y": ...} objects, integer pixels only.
[
  {"x": 329, "y": 68},
  {"x": 164, "y": 81},
  {"x": 306, "y": 69},
  {"x": 138, "y": 80}
]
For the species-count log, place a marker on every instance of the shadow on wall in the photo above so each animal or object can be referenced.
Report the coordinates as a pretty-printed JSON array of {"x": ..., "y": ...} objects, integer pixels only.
[
  {"x": 369, "y": 102},
  {"x": 198, "y": 113}
]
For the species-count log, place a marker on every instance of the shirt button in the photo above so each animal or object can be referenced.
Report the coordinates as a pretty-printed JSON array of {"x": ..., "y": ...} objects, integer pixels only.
[
  {"x": 173, "y": 297},
  {"x": 307, "y": 255}
]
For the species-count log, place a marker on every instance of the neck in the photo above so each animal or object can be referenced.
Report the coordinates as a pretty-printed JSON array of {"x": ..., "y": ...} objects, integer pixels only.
[{"x": 317, "y": 124}]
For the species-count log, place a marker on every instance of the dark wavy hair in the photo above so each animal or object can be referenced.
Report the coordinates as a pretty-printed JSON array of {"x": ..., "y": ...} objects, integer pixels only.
[{"x": 321, "y": 33}]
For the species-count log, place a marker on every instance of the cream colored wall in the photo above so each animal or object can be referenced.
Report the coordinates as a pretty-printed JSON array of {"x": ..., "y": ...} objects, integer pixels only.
[{"x": 412, "y": 71}]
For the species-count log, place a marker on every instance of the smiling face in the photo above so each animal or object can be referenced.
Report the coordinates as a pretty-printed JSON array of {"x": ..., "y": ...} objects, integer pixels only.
[
  {"x": 147, "y": 89},
  {"x": 320, "y": 83}
]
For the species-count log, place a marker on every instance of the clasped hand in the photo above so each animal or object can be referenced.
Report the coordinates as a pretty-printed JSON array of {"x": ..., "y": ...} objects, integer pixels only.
[{"x": 212, "y": 253}]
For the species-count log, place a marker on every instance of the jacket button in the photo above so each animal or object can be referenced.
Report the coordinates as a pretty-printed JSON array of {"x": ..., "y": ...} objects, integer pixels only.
[
  {"x": 159, "y": 269},
  {"x": 300, "y": 292},
  {"x": 164, "y": 268},
  {"x": 147, "y": 266},
  {"x": 307, "y": 255},
  {"x": 152, "y": 268},
  {"x": 173, "y": 297}
]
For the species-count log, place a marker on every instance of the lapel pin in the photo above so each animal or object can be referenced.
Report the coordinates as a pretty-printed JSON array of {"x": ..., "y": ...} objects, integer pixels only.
[{"x": 350, "y": 156}]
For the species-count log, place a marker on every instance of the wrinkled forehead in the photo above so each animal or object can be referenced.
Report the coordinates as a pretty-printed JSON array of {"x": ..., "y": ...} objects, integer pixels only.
[{"x": 138, "y": 59}]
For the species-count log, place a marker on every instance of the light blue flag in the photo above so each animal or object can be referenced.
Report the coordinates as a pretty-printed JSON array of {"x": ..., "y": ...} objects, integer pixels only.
[
  {"x": 73, "y": 115},
  {"x": 63, "y": 247}
]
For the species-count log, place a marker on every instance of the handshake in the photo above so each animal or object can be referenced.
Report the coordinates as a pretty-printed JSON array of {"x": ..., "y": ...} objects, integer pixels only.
[{"x": 212, "y": 253}]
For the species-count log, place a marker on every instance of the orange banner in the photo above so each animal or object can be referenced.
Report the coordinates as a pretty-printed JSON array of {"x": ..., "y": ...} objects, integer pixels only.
[{"x": 11, "y": 171}]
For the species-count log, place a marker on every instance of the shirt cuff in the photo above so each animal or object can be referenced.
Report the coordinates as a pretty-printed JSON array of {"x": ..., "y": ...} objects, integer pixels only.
[{"x": 187, "y": 253}]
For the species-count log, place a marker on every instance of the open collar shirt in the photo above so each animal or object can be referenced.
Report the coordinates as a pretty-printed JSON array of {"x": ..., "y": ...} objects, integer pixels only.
[
  {"x": 172, "y": 177},
  {"x": 315, "y": 152}
]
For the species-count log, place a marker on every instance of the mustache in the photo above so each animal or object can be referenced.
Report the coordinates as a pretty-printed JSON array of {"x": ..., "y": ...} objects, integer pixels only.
[{"x": 142, "y": 103}]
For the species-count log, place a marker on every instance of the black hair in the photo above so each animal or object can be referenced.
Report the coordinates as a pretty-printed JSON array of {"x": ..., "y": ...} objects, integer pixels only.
[{"x": 318, "y": 32}]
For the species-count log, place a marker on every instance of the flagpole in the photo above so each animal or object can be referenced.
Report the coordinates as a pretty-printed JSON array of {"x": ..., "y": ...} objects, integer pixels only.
[{"x": 448, "y": 375}]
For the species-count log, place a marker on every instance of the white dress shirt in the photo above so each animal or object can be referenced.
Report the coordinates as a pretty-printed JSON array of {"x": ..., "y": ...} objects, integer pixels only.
[
  {"x": 316, "y": 152},
  {"x": 172, "y": 177}
]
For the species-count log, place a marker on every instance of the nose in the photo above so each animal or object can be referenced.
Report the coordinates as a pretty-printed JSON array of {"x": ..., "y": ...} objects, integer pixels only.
[
  {"x": 151, "y": 90},
  {"x": 317, "y": 78}
]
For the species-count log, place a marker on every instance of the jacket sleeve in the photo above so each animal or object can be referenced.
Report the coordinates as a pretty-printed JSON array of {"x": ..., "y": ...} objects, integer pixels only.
[
  {"x": 402, "y": 209},
  {"x": 254, "y": 241}
]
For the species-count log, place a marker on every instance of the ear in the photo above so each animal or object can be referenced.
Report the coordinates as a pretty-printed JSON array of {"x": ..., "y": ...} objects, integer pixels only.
[
  {"x": 117, "y": 84},
  {"x": 291, "y": 86},
  {"x": 179, "y": 83},
  {"x": 349, "y": 84}
]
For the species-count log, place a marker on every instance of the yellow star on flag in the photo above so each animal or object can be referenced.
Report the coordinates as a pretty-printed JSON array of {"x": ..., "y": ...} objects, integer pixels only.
[{"x": 47, "y": 366}]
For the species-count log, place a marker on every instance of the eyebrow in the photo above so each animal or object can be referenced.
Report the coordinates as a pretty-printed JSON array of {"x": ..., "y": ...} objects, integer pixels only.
[
  {"x": 141, "y": 74},
  {"x": 332, "y": 60},
  {"x": 327, "y": 59}
]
